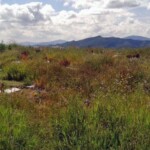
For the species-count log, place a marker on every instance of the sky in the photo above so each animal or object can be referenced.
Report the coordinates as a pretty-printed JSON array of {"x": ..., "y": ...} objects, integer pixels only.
[{"x": 49, "y": 20}]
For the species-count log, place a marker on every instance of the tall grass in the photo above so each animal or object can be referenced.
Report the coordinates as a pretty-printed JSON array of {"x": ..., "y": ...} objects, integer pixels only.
[
  {"x": 14, "y": 130},
  {"x": 112, "y": 122},
  {"x": 100, "y": 100}
]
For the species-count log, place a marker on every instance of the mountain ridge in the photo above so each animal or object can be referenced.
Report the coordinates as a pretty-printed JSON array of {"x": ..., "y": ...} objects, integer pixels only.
[
  {"x": 140, "y": 38},
  {"x": 43, "y": 43},
  {"x": 98, "y": 42},
  {"x": 107, "y": 42}
]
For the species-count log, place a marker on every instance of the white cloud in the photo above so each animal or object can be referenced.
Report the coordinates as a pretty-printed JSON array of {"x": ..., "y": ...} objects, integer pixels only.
[
  {"x": 25, "y": 14},
  {"x": 148, "y": 6},
  {"x": 21, "y": 19},
  {"x": 78, "y": 4},
  {"x": 123, "y": 3},
  {"x": 40, "y": 22}
]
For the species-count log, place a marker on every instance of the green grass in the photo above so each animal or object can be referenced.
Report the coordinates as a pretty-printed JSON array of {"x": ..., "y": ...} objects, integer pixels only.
[
  {"x": 112, "y": 122},
  {"x": 55, "y": 116},
  {"x": 14, "y": 130},
  {"x": 11, "y": 83}
]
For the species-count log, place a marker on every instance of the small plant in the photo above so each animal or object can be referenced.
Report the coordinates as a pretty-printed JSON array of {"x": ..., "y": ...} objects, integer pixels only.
[
  {"x": 65, "y": 63},
  {"x": 70, "y": 130},
  {"x": 2, "y": 47},
  {"x": 24, "y": 55},
  {"x": 17, "y": 72},
  {"x": 98, "y": 63}
]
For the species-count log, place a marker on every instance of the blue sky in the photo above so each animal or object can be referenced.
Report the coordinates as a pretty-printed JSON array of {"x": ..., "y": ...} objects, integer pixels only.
[
  {"x": 28, "y": 1},
  {"x": 47, "y": 20},
  {"x": 57, "y": 4}
]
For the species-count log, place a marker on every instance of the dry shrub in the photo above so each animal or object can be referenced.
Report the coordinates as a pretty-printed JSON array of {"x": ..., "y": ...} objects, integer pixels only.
[
  {"x": 65, "y": 63},
  {"x": 24, "y": 55},
  {"x": 97, "y": 64},
  {"x": 128, "y": 76},
  {"x": 49, "y": 59}
]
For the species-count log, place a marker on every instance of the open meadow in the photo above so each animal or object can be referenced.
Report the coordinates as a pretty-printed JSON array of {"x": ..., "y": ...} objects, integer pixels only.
[{"x": 74, "y": 99}]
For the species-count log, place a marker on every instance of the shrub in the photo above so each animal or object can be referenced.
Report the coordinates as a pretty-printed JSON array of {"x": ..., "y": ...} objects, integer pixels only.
[
  {"x": 17, "y": 72},
  {"x": 98, "y": 63},
  {"x": 2, "y": 47},
  {"x": 65, "y": 63}
]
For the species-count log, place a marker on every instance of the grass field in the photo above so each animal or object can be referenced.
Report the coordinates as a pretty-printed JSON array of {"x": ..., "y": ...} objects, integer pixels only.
[{"x": 84, "y": 99}]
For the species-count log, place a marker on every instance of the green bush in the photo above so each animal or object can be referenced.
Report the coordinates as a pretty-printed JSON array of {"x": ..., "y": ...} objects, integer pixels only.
[
  {"x": 17, "y": 72},
  {"x": 2, "y": 47}
]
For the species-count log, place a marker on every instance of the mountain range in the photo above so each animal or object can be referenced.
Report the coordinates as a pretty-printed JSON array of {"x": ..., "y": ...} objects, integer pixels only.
[
  {"x": 98, "y": 42},
  {"x": 42, "y": 43},
  {"x": 140, "y": 38},
  {"x": 109, "y": 42}
]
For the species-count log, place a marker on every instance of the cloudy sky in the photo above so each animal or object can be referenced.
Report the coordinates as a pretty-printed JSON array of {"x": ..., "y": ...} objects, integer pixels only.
[{"x": 47, "y": 20}]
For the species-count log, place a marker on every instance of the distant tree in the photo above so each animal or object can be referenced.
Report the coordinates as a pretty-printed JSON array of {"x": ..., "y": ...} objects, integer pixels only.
[
  {"x": 2, "y": 47},
  {"x": 9, "y": 47}
]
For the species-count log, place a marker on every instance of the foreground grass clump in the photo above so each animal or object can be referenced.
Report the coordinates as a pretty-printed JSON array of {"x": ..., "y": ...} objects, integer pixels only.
[
  {"x": 82, "y": 99},
  {"x": 112, "y": 122},
  {"x": 14, "y": 130},
  {"x": 16, "y": 72}
]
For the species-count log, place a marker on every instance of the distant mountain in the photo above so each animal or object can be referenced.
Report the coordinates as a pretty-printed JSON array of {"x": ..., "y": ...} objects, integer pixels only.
[
  {"x": 140, "y": 38},
  {"x": 43, "y": 43},
  {"x": 107, "y": 42}
]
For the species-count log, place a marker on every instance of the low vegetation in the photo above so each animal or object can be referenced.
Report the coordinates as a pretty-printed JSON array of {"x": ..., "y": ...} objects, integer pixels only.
[{"x": 83, "y": 99}]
